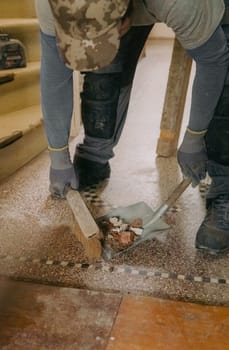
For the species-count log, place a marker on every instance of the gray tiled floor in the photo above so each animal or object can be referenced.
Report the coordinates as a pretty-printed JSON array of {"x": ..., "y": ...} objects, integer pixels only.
[{"x": 37, "y": 242}]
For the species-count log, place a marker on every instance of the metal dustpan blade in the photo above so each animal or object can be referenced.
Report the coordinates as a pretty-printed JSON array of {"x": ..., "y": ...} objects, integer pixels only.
[
  {"x": 152, "y": 222},
  {"x": 138, "y": 210}
]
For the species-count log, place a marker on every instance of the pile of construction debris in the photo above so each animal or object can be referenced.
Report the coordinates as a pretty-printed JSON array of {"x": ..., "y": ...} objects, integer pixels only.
[{"x": 119, "y": 234}]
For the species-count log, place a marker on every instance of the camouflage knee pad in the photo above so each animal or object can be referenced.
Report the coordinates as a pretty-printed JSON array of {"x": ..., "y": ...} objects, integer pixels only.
[{"x": 99, "y": 104}]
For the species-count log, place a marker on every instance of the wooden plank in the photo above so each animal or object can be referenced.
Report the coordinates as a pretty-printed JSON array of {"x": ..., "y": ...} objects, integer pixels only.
[
  {"x": 85, "y": 227},
  {"x": 178, "y": 80}
]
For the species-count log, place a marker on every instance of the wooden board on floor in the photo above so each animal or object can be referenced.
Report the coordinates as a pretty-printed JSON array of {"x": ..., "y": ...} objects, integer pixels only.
[{"x": 85, "y": 227}]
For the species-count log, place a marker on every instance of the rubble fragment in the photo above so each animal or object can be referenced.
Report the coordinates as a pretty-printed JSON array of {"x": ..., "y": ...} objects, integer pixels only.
[
  {"x": 137, "y": 230},
  {"x": 115, "y": 221},
  {"x": 118, "y": 233}
]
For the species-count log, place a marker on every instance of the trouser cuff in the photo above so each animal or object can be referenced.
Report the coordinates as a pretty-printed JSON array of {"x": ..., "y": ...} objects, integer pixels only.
[{"x": 220, "y": 179}]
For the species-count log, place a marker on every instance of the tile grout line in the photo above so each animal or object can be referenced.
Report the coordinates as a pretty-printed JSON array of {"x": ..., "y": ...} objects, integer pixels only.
[
  {"x": 91, "y": 196},
  {"x": 123, "y": 269}
]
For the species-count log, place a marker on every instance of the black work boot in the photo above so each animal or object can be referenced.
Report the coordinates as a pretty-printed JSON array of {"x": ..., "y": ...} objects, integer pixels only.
[
  {"x": 213, "y": 234},
  {"x": 90, "y": 172}
]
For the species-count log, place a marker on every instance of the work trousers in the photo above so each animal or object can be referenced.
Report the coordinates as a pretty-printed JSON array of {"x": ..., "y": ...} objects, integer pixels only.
[
  {"x": 105, "y": 96},
  {"x": 217, "y": 137},
  {"x": 105, "y": 100}
]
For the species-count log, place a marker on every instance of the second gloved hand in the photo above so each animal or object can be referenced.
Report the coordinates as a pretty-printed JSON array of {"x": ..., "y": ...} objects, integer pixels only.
[
  {"x": 62, "y": 175},
  {"x": 192, "y": 156}
]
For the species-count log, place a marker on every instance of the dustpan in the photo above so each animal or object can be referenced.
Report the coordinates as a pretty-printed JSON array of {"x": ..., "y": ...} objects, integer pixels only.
[{"x": 151, "y": 220}]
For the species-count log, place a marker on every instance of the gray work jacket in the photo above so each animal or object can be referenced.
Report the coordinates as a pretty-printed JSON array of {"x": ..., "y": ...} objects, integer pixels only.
[{"x": 193, "y": 21}]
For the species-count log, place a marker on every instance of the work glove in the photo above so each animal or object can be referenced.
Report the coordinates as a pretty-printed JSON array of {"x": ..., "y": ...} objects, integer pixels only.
[
  {"x": 62, "y": 175},
  {"x": 192, "y": 156}
]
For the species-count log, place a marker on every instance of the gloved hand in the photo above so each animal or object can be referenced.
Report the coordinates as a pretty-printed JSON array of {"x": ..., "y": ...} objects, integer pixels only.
[
  {"x": 192, "y": 156},
  {"x": 62, "y": 175}
]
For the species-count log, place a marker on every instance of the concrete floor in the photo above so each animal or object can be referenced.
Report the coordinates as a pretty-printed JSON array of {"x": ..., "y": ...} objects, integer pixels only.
[{"x": 37, "y": 242}]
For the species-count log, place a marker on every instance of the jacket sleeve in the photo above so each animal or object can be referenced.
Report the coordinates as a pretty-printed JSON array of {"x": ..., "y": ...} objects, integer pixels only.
[
  {"x": 45, "y": 17},
  {"x": 212, "y": 62}
]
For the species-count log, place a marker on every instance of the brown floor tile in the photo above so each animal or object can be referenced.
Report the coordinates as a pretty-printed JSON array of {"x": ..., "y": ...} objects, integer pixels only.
[
  {"x": 144, "y": 323},
  {"x": 37, "y": 317}
]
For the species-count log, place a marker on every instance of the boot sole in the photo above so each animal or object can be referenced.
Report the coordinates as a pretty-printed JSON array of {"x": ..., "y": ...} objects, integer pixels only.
[{"x": 211, "y": 251}]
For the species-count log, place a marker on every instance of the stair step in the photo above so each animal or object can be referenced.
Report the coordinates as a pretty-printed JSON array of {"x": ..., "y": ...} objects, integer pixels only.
[
  {"x": 31, "y": 68},
  {"x": 20, "y": 121},
  {"x": 15, "y": 8},
  {"x": 19, "y": 24},
  {"x": 22, "y": 91},
  {"x": 22, "y": 138},
  {"x": 20, "y": 152},
  {"x": 22, "y": 134},
  {"x": 27, "y": 31}
]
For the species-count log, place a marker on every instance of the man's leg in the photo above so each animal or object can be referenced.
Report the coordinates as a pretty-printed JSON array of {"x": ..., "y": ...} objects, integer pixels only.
[
  {"x": 56, "y": 93},
  {"x": 213, "y": 234},
  {"x": 105, "y": 101},
  {"x": 57, "y": 107}
]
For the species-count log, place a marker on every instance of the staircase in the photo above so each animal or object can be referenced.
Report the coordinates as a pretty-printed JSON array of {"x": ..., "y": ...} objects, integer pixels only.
[{"x": 21, "y": 129}]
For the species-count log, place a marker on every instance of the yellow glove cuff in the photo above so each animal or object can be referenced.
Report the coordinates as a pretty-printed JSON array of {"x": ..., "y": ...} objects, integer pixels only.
[{"x": 57, "y": 149}]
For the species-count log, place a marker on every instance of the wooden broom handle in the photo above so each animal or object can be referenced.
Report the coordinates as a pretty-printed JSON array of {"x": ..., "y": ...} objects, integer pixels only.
[{"x": 178, "y": 191}]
